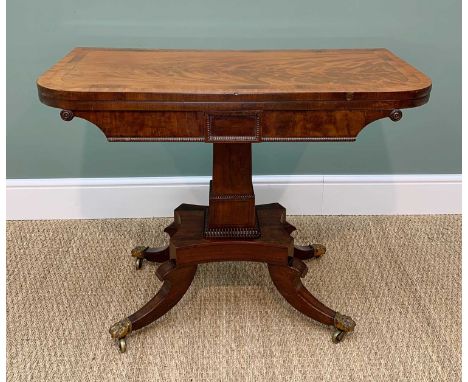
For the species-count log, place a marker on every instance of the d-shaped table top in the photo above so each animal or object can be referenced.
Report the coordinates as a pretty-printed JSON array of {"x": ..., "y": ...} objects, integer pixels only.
[{"x": 98, "y": 74}]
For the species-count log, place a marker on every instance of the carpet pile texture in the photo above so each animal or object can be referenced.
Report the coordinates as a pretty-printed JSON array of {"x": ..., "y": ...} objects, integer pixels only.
[{"x": 398, "y": 277}]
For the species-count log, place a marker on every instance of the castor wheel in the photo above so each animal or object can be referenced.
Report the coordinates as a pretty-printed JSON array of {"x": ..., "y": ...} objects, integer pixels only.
[
  {"x": 122, "y": 342},
  {"x": 338, "y": 336},
  {"x": 139, "y": 254},
  {"x": 138, "y": 263}
]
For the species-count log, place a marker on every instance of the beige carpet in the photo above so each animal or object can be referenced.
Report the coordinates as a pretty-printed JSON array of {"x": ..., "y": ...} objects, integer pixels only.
[{"x": 398, "y": 277}]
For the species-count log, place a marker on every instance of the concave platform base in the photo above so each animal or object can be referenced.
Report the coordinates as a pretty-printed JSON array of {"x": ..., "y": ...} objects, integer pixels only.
[{"x": 188, "y": 247}]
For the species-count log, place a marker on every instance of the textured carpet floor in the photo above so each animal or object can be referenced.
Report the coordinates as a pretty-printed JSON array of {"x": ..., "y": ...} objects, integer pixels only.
[{"x": 398, "y": 277}]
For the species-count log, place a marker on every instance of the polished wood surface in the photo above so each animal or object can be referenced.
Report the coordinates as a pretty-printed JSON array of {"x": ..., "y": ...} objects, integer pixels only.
[
  {"x": 231, "y": 99},
  {"x": 232, "y": 96},
  {"x": 176, "y": 281},
  {"x": 232, "y": 198},
  {"x": 189, "y": 244},
  {"x": 235, "y": 76},
  {"x": 273, "y": 126}
]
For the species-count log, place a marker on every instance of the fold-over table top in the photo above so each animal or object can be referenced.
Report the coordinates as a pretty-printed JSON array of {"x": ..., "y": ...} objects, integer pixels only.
[{"x": 91, "y": 78}]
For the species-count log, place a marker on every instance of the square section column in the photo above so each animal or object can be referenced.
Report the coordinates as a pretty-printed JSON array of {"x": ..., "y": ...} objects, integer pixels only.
[{"x": 231, "y": 212}]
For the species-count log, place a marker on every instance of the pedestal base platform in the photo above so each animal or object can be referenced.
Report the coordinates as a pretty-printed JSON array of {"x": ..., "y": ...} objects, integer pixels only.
[{"x": 189, "y": 247}]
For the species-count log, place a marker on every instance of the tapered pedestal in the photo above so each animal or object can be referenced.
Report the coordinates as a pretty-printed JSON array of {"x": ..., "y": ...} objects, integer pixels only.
[{"x": 231, "y": 213}]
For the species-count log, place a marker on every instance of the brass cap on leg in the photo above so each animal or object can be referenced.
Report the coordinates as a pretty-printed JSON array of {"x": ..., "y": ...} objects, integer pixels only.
[
  {"x": 319, "y": 249},
  {"x": 344, "y": 323},
  {"x": 121, "y": 329},
  {"x": 139, "y": 252}
]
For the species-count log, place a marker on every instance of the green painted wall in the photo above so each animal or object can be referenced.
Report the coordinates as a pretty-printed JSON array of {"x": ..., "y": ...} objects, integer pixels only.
[{"x": 427, "y": 33}]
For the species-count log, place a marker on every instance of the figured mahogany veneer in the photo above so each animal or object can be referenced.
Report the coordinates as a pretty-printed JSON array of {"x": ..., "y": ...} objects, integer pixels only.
[
  {"x": 162, "y": 78},
  {"x": 231, "y": 99},
  {"x": 269, "y": 126},
  {"x": 170, "y": 95}
]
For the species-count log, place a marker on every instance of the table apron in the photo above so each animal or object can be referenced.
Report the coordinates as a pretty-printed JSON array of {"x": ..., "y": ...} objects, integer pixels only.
[{"x": 234, "y": 127}]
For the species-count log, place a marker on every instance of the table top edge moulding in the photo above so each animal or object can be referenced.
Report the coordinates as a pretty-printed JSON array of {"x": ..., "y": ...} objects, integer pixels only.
[{"x": 231, "y": 99}]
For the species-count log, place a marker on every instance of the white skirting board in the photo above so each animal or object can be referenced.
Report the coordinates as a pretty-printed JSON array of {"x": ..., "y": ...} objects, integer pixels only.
[{"x": 97, "y": 198}]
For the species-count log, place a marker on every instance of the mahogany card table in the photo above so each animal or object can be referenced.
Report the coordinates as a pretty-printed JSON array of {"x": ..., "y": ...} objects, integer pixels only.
[{"x": 231, "y": 99}]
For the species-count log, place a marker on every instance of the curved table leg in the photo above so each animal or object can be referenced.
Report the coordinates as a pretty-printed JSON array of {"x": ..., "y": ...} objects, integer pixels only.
[
  {"x": 176, "y": 282},
  {"x": 156, "y": 255},
  {"x": 287, "y": 280},
  {"x": 304, "y": 252}
]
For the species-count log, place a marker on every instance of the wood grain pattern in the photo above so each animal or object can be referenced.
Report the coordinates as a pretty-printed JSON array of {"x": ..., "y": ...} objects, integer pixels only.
[
  {"x": 232, "y": 199},
  {"x": 276, "y": 126},
  {"x": 232, "y": 96},
  {"x": 156, "y": 79},
  {"x": 176, "y": 282},
  {"x": 146, "y": 126},
  {"x": 287, "y": 279},
  {"x": 189, "y": 246},
  {"x": 292, "y": 125}
]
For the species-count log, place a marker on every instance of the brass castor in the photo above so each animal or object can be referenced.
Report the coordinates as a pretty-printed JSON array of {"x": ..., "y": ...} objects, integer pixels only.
[
  {"x": 338, "y": 336},
  {"x": 119, "y": 331},
  {"x": 139, "y": 251},
  {"x": 122, "y": 345},
  {"x": 139, "y": 254},
  {"x": 138, "y": 263},
  {"x": 343, "y": 325},
  {"x": 319, "y": 249}
]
